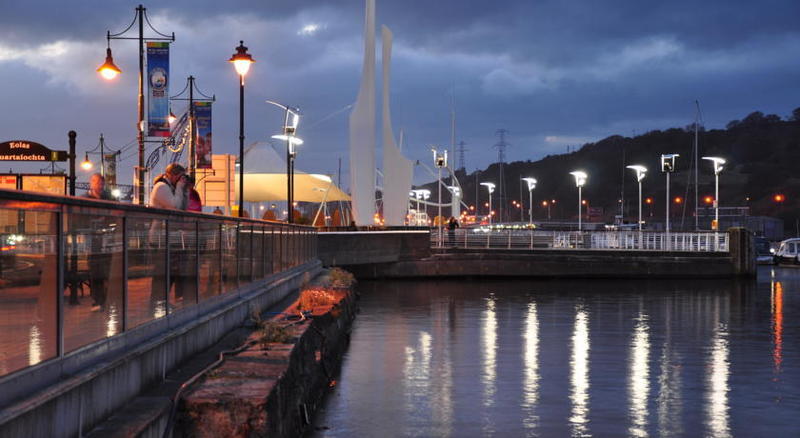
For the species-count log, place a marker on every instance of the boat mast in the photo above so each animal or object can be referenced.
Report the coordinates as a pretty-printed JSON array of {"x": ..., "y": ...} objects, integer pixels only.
[{"x": 696, "y": 182}]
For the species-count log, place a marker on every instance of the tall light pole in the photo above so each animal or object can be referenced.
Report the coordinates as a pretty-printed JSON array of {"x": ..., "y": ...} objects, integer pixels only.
[
  {"x": 718, "y": 165},
  {"x": 641, "y": 171},
  {"x": 290, "y": 121},
  {"x": 580, "y": 181},
  {"x": 668, "y": 166},
  {"x": 110, "y": 71},
  {"x": 531, "y": 185},
  {"x": 455, "y": 203},
  {"x": 241, "y": 62},
  {"x": 440, "y": 161},
  {"x": 490, "y": 189}
]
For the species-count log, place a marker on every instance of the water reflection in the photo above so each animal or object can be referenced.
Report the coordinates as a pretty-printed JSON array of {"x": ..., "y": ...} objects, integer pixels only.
[
  {"x": 777, "y": 325},
  {"x": 442, "y": 372},
  {"x": 416, "y": 372},
  {"x": 579, "y": 379},
  {"x": 639, "y": 381},
  {"x": 489, "y": 344},
  {"x": 669, "y": 400},
  {"x": 717, "y": 399},
  {"x": 531, "y": 363}
]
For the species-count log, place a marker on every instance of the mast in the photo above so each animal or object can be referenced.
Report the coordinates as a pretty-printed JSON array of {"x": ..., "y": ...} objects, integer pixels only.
[{"x": 696, "y": 182}]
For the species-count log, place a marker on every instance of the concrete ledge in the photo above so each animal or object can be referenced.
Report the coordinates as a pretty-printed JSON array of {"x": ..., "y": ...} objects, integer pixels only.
[
  {"x": 555, "y": 264},
  {"x": 356, "y": 248},
  {"x": 67, "y": 396}
]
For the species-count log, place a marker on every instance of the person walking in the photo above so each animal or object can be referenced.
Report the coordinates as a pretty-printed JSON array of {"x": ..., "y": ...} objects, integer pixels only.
[{"x": 452, "y": 224}]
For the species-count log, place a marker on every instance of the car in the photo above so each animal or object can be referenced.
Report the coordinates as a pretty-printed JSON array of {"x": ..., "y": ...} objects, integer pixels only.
[
  {"x": 788, "y": 252},
  {"x": 764, "y": 252}
]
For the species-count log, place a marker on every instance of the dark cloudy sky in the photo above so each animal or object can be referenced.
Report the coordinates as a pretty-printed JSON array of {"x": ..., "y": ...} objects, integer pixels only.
[{"x": 553, "y": 72}]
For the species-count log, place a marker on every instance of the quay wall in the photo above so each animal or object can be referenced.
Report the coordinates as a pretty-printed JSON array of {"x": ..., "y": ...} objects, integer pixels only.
[{"x": 408, "y": 255}]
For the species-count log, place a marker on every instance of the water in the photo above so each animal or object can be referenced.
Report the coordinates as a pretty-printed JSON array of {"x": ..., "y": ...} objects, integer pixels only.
[{"x": 572, "y": 358}]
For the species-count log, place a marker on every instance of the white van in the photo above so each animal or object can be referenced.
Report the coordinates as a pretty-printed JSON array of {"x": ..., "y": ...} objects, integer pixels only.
[{"x": 788, "y": 252}]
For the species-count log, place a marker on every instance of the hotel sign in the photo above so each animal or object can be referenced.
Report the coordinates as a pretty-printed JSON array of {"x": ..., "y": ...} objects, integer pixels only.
[{"x": 24, "y": 150}]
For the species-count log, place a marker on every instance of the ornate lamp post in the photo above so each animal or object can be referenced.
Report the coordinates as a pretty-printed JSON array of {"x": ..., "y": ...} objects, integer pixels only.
[
  {"x": 110, "y": 71},
  {"x": 241, "y": 62}
]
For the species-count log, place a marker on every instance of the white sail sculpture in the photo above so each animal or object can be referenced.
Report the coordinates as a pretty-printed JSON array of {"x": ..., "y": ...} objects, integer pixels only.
[
  {"x": 398, "y": 171},
  {"x": 362, "y": 131}
]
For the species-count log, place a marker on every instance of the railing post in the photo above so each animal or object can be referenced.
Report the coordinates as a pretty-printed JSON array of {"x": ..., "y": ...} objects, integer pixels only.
[{"x": 509, "y": 239}]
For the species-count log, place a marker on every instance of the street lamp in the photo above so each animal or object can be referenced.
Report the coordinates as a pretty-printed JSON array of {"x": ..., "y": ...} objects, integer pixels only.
[
  {"x": 86, "y": 164},
  {"x": 440, "y": 161},
  {"x": 641, "y": 171},
  {"x": 241, "y": 62},
  {"x": 455, "y": 202},
  {"x": 531, "y": 185},
  {"x": 580, "y": 181},
  {"x": 718, "y": 165},
  {"x": 668, "y": 166},
  {"x": 289, "y": 131},
  {"x": 110, "y": 71},
  {"x": 490, "y": 189}
]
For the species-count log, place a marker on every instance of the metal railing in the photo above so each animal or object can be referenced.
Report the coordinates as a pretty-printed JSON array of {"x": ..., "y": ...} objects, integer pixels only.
[
  {"x": 593, "y": 240},
  {"x": 75, "y": 271}
]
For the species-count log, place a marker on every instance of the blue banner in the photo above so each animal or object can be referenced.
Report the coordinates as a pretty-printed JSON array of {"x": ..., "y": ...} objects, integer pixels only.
[
  {"x": 158, "y": 89},
  {"x": 202, "y": 116}
]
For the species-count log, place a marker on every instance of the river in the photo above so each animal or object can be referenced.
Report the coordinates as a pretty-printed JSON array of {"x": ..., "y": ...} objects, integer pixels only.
[{"x": 549, "y": 358}]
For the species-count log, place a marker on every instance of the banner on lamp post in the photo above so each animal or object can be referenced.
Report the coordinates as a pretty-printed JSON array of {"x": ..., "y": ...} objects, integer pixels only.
[
  {"x": 202, "y": 115},
  {"x": 158, "y": 89}
]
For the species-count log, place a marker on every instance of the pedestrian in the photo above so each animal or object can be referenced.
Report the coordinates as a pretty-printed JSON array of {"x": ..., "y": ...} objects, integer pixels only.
[
  {"x": 169, "y": 188},
  {"x": 99, "y": 259},
  {"x": 218, "y": 211},
  {"x": 193, "y": 201},
  {"x": 452, "y": 224}
]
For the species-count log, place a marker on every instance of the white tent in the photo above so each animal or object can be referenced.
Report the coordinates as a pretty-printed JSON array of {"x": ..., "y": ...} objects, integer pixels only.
[{"x": 265, "y": 179}]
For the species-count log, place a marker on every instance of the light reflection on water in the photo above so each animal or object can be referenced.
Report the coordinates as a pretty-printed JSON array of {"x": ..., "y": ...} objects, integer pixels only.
[
  {"x": 580, "y": 358},
  {"x": 639, "y": 383},
  {"x": 579, "y": 364}
]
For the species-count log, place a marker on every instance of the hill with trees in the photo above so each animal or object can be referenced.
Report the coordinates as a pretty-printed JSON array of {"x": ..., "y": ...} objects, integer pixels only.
[{"x": 762, "y": 153}]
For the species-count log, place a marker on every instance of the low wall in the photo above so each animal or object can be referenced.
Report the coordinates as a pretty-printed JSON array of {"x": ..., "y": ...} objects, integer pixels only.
[
  {"x": 367, "y": 247},
  {"x": 122, "y": 366}
]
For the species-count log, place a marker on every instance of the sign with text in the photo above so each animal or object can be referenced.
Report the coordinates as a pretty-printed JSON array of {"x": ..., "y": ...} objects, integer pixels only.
[
  {"x": 51, "y": 184},
  {"x": 25, "y": 150},
  {"x": 158, "y": 89}
]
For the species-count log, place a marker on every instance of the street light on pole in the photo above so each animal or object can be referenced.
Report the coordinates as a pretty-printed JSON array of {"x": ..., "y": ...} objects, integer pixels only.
[
  {"x": 641, "y": 171},
  {"x": 110, "y": 71},
  {"x": 668, "y": 166},
  {"x": 490, "y": 188},
  {"x": 440, "y": 161},
  {"x": 580, "y": 181},
  {"x": 718, "y": 165},
  {"x": 241, "y": 62},
  {"x": 531, "y": 185},
  {"x": 291, "y": 120}
]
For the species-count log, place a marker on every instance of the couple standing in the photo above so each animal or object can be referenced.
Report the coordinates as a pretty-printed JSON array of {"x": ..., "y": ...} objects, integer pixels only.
[{"x": 174, "y": 189}]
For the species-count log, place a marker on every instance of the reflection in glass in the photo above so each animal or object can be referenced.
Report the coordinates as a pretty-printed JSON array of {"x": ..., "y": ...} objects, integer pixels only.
[
  {"x": 777, "y": 325},
  {"x": 489, "y": 347},
  {"x": 717, "y": 397},
  {"x": 35, "y": 346},
  {"x": 147, "y": 270},
  {"x": 579, "y": 365},
  {"x": 639, "y": 380},
  {"x": 531, "y": 363}
]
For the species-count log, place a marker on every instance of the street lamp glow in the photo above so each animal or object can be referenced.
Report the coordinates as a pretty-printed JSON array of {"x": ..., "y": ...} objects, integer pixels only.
[
  {"x": 718, "y": 163},
  {"x": 641, "y": 171},
  {"x": 86, "y": 165},
  {"x": 580, "y": 178},
  {"x": 241, "y": 60},
  {"x": 290, "y": 138},
  {"x": 171, "y": 117},
  {"x": 108, "y": 70},
  {"x": 116, "y": 193},
  {"x": 289, "y": 131}
]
